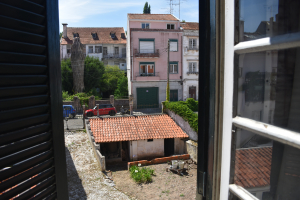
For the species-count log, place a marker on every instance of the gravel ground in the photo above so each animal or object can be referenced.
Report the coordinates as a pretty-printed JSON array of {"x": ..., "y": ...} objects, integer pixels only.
[{"x": 85, "y": 180}]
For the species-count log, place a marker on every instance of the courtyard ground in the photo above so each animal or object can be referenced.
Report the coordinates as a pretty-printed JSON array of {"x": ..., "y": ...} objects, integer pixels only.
[{"x": 165, "y": 185}]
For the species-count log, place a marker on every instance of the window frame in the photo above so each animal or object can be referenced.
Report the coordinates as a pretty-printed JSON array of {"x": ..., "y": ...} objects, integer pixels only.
[
  {"x": 171, "y": 26},
  {"x": 146, "y": 40},
  {"x": 193, "y": 67},
  {"x": 145, "y": 25},
  {"x": 117, "y": 52},
  {"x": 104, "y": 52},
  {"x": 100, "y": 49},
  {"x": 230, "y": 120},
  {"x": 172, "y": 63},
  {"x": 69, "y": 48},
  {"x": 147, "y": 63},
  {"x": 174, "y": 40},
  {"x": 90, "y": 47},
  {"x": 193, "y": 44}
]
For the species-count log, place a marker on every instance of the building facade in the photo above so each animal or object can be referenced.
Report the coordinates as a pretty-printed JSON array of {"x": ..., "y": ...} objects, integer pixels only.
[
  {"x": 107, "y": 44},
  {"x": 147, "y": 58},
  {"x": 190, "y": 64}
]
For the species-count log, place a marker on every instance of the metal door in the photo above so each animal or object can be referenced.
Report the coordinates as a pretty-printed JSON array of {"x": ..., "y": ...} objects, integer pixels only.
[{"x": 147, "y": 97}]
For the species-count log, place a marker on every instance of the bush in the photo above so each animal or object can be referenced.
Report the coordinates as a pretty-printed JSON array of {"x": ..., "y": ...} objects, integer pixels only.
[
  {"x": 122, "y": 88},
  {"x": 83, "y": 97},
  {"x": 192, "y": 104},
  {"x": 183, "y": 109},
  {"x": 141, "y": 174}
]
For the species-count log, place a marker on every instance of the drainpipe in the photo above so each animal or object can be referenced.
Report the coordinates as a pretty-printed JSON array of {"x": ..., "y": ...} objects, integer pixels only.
[{"x": 182, "y": 64}]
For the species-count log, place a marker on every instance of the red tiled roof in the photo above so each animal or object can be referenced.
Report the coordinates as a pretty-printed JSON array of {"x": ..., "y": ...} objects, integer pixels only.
[
  {"x": 253, "y": 167},
  {"x": 85, "y": 35},
  {"x": 167, "y": 17},
  {"x": 190, "y": 25},
  {"x": 135, "y": 128}
]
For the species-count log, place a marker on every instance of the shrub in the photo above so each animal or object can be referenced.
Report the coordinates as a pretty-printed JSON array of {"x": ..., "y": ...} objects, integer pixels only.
[
  {"x": 141, "y": 174},
  {"x": 182, "y": 109},
  {"x": 192, "y": 104}
]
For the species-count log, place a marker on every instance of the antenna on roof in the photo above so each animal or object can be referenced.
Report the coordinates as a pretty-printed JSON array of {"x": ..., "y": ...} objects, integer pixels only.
[{"x": 178, "y": 4}]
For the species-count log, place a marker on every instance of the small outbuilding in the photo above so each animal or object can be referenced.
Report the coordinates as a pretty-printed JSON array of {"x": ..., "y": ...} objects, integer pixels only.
[{"x": 137, "y": 137}]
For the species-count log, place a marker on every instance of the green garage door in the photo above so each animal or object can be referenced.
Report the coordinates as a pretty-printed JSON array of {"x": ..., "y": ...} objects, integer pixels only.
[{"x": 147, "y": 97}]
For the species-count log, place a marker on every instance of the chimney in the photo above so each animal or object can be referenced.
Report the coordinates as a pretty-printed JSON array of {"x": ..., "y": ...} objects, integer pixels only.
[{"x": 65, "y": 30}]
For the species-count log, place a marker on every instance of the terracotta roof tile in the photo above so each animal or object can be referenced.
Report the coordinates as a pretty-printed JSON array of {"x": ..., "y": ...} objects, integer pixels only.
[
  {"x": 168, "y": 17},
  {"x": 135, "y": 128},
  {"x": 103, "y": 35},
  {"x": 190, "y": 25},
  {"x": 253, "y": 167}
]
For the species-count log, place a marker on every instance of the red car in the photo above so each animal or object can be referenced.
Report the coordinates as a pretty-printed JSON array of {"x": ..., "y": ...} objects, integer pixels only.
[{"x": 104, "y": 109}]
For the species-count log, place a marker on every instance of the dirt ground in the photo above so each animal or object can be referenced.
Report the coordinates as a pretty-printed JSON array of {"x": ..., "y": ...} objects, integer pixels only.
[{"x": 165, "y": 185}]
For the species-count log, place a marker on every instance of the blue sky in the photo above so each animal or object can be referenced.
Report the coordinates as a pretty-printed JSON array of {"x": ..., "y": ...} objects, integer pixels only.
[{"x": 101, "y": 13}]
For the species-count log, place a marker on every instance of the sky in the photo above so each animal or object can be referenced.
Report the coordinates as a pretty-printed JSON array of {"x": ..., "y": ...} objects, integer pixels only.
[{"x": 104, "y": 13}]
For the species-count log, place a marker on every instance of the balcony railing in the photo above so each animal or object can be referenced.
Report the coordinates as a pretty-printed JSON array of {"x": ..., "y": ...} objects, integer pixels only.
[
  {"x": 147, "y": 74},
  {"x": 146, "y": 53},
  {"x": 113, "y": 55},
  {"x": 191, "y": 72}
]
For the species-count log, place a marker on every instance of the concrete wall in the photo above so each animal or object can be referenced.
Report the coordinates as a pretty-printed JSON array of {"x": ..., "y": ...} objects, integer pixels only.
[
  {"x": 162, "y": 85},
  {"x": 179, "y": 146},
  {"x": 189, "y": 56},
  {"x": 161, "y": 43},
  {"x": 192, "y": 149},
  {"x": 184, "y": 125},
  {"x": 154, "y": 24},
  {"x": 142, "y": 149}
]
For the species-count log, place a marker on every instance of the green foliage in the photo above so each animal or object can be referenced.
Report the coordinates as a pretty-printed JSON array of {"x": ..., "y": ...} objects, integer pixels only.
[
  {"x": 183, "y": 20},
  {"x": 83, "y": 97},
  {"x": 110, "y": 78},
  {"x": 182, "y": 109},
  {"x": 122, "y": 88},
  {"x": 67, "y": 76},
  {"x": 168, "y": 92},
  {"x": 147, "y": 9},
  {"x": 93, "y": 73},
  {"x": 192, "y": 104},
  {"x": 60, "y": 35},
  {"x": 141, "y": 174}
]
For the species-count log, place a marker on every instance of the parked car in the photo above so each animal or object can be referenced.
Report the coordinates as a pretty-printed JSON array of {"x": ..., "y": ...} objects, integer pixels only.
[
  {"x": 69, "y": 111},
  {"x": 104, "y": 109}
]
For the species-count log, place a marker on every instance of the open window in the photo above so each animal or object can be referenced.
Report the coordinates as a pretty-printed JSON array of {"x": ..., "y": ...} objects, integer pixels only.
[
  {"x": 147, "y": 69},
  {"x": 170, "y": 26}
]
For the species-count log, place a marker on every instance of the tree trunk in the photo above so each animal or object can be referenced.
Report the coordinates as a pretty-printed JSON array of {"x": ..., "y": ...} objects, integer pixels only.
[{"x": 77, "y": 62}]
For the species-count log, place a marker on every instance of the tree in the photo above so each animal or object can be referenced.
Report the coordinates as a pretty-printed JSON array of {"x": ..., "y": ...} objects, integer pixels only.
[
  {"x": 110, "y": 79},
  {"x": 93, "y": 73},
  {"x": 67, "y": 76},
  {"x": 122, "y": 87},
  {"x": 183, "y": 21},
  {"x": 60, "y": 35},
  {"x": 147, "y": 9}
]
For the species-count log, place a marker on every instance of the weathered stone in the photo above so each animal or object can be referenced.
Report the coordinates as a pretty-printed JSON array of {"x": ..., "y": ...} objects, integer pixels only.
[{"x": 77, "y": 61}]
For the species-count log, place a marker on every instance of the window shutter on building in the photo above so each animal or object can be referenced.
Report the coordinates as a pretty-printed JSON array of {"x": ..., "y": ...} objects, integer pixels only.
[
  {"x": 146, "y": 46},
  {"x": 173, "y": 46},
  {"x": 32, "y": 151}
]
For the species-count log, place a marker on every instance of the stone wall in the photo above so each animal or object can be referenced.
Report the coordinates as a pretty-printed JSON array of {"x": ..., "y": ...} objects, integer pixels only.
[
  {"x": 184, "y": 125},
  {"x": 96, "y": 147},
  {"x": 192, "y": 149}
]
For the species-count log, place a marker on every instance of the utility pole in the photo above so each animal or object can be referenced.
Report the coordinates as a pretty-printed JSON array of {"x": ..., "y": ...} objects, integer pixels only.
[{"x": 168, "y": 83}]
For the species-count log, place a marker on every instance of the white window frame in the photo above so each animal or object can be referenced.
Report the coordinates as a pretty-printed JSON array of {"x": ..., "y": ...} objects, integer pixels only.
[
  {"x": 266, "y": 130},
  {"x": 145, "y": 25},
  {"x": 99, "y": 49},
  {"x": 172, "y": 66},
  {"x": 69, "y": 48},
  {"x": 104, "y": 52},
  {"x": 116, "y": 52},
  {"x": 194, "y": 67},
  {"x": 171, "y": 26},
  {"x": 90, "y": 47},
  {"x": 194, "y": 44}
]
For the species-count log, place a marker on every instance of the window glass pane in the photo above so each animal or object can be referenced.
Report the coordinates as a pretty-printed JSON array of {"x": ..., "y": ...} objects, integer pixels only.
[
  {"x": 143, "y": 69},
  {"x": 90, "y": 49},
  {"x": 266, "y": 18},
  {"x": 143, "y": 25},
  {"x": 150, "y": 69},
  {"x": 269, "y": 87},
  {"x": 147, "y": 25},
  {"x": 173, "y": 46},
  {"x": 175, "y": 69},
  {"x": 97, "y": 49},
  {"x": 104, "y": 50},
  {"x": 168, "y": 26},
  {"x": 266, "y": 168}
]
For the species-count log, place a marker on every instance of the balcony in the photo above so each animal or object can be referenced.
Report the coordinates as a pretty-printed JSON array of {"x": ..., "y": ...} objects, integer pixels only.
[
  {"x": 113, "y": 56},
  {"x": 146, "y": 53},
  {"x": 147, "y": 76},
  {"x": 191, "y": 72}
]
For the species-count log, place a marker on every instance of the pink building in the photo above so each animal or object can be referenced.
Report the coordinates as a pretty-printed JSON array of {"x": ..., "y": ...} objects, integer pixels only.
[{"x": 147, "y": 58}]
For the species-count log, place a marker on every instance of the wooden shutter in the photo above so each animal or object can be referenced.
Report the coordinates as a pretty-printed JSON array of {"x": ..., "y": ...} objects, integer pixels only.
[
  {"x": 146, "y": 46},
  {"x": 32, "y": 152},
  {"x": 173, "y": 46}
]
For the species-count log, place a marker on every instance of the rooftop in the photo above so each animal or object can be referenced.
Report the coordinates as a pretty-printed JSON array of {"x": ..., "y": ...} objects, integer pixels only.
[
  {"x": 253, "y": 167},
  {"x": 135, "y": 128},
  {"x": 190, "y": 25},
  {"x": 103, "y": 35},
  {"x": 167, "y": 17}
]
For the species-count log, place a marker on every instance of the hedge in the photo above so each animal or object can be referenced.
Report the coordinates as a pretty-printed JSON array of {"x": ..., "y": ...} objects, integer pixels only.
[{"x": 183, "y": 109}]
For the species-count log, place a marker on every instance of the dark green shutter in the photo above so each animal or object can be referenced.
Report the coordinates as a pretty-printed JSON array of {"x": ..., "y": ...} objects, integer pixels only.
[
  {"x": 147, "y": 97},
  {"x": 32, "y": 148}
]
